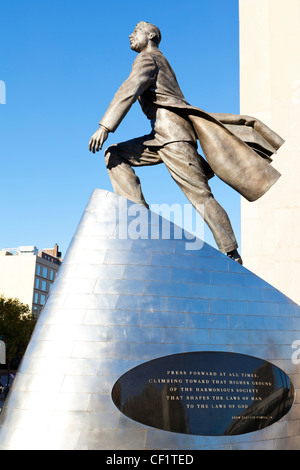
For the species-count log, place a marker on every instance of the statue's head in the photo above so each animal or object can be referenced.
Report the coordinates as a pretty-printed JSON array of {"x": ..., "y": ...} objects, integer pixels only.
[{"x": 143, "y": 34}]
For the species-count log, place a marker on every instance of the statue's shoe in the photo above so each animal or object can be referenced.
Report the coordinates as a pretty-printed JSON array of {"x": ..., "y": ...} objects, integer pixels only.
[{"x": 235, "y": 256}]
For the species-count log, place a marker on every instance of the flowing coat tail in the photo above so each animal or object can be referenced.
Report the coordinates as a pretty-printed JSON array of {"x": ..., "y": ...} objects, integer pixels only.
[{"x": 238, "y": 154}]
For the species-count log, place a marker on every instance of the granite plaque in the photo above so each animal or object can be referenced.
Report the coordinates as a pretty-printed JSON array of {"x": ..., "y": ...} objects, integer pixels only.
[{"x": 205, "y": 393}]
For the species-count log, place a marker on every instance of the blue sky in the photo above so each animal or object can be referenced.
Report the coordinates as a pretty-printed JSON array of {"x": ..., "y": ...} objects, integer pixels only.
[{"x": 62, "y": 61}]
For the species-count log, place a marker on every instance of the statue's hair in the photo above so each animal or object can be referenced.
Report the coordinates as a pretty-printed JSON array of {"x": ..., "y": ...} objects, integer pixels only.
[{"x": 152, "y": 29}]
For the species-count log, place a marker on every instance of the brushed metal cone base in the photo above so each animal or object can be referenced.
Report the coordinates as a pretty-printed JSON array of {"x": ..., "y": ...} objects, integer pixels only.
[{"x": 118, "y": 302}]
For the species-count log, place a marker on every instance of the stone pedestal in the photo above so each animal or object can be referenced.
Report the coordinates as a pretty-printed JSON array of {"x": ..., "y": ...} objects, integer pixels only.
[{"x": 120, "y": 301}]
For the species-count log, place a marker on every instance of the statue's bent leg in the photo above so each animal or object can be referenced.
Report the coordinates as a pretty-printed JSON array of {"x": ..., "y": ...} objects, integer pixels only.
[
  {"x": 120, "y": 159},
  {"x": 184, "y": 165}
]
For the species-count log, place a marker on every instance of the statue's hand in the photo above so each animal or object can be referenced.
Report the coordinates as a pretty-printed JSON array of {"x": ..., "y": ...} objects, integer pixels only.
[{"x": 98, "y": 139}]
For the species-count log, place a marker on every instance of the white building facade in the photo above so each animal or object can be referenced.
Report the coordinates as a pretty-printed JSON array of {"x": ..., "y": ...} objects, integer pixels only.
[
  {"x": 28, "y": 275},
  {"x": 270, "y": 90}
]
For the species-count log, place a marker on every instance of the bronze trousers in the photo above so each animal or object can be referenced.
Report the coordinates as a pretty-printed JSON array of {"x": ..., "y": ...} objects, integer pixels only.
[{"x": 183, "y": 163}]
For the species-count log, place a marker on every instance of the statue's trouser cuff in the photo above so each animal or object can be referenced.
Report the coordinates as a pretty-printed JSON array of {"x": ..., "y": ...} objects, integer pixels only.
[{"x": 184, "y": 165}]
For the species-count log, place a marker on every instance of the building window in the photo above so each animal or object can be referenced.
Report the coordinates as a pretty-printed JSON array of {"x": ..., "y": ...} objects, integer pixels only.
[
  {"x": 43, "y": 299},
  {"x": 37, "y": 283},
  {"x": 38, "y": 270},
  {"x": 44, "y": 286},
  {"x": 36, "y": 298},
  {"x": 51, "y": 275},
  {"x": 45, "y": 272}
]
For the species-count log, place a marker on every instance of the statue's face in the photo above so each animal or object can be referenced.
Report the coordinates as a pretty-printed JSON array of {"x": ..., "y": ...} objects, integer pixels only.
[{"x": 139, "y": 38}]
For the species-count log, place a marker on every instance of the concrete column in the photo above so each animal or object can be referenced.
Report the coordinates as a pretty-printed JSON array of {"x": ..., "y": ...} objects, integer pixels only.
[{"x": 270, "y": 90}]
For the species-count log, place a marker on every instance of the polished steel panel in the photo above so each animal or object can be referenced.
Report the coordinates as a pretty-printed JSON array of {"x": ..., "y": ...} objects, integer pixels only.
[
  {"x": 118, "y": 302},
  {"x": 149, "y": 273}
]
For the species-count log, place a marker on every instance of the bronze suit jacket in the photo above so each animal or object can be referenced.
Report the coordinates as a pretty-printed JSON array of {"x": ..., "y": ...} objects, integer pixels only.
[{"x": 237, "y": 148}]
